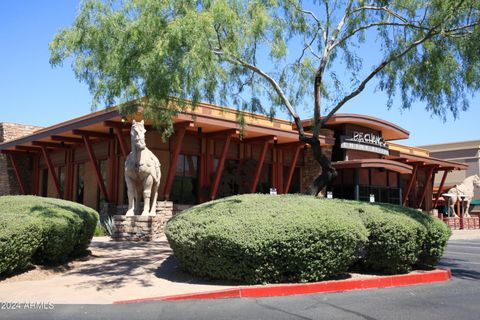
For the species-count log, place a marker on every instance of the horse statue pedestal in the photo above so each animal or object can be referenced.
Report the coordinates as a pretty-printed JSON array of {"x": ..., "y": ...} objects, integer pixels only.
[{"x": 142, "y": 228}]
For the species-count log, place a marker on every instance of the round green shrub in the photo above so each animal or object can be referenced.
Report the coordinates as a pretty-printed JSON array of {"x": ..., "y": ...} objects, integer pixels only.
[
  {"x": 395, "y": 240},
  {"x": 42, "y": 230},
  {"x": 268, "y": 239}
]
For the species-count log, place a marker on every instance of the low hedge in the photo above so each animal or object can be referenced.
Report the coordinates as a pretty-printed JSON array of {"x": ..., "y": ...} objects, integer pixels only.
[
  {"x": 294, "y": 238},
  {"x": 42, "y": 230},
  {"x": 259, "y": 238}
]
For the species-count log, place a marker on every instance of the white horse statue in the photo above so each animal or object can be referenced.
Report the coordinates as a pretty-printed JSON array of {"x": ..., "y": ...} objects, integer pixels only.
[
  {"x": 142, "y": 173},
  {"x": 466, "y": 188}
]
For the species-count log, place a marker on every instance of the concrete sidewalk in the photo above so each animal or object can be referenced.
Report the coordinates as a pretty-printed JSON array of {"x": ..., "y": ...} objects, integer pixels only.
[
  {"x": 115, "y": 271},
  {"x": 471, "y": 234}
]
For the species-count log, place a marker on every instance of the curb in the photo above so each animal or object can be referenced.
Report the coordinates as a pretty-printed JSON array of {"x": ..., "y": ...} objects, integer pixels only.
[{"x": 272, "y": 290}]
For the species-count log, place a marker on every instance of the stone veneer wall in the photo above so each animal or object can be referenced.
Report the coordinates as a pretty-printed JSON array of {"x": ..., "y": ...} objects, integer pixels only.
[
  {"x": 311, "y": 168},
  {"x": 8, "y": 180}
]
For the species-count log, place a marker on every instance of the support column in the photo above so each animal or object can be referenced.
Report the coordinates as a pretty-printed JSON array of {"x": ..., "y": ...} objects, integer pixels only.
[
  {"x": 112, "y": 171},
  {"x": 291, "y": 170},
  {"x": 221, "y": 162},
  {"x": 17, "y": 173},
  {"x": 440, "y": 188},
  {"x": 51, "y": 169},
  {"x": 121, "y": 141},
  {"x": 413, "y": 178},
  {"x": 179, "y": 135},
  {"x": 259, "y": 167},
  {"x": 425, "y": 187},
  {"x": 36, "y": 176},
  {"x": 98, "y": 174}
]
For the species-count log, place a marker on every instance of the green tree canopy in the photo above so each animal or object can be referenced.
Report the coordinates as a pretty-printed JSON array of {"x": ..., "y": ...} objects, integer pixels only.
[{"x": 279, "y": 53}]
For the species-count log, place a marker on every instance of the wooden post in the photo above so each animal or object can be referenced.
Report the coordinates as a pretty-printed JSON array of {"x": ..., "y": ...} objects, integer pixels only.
[
  {"x": 121, "y": 141},
  {"x": 440, "y": 188},
  {"x": 17, "y": 173},
  {"x": 221, "y": 162},
  {"x": 51, "y": 169},
  {"x": 291, "y": 170},
  {"x": 410, "y": 184},
  {"x": 112, "y": 171},
  {"x": 425, "y": 187},
  {"x": 279, "y": 184},
  {"x": 258, "y": 169},
  {"x": 36, "y": 176},
  {"x": 179, "y": 135},
  {"x": 94, "y": 162}
]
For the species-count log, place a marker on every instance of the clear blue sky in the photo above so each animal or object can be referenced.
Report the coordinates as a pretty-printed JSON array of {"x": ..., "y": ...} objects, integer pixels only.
[{"x": 34, "y": 93}]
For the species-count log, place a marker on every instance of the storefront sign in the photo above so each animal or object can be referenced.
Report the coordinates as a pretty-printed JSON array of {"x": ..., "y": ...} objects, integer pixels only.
[{"x": 362, "y": 141}]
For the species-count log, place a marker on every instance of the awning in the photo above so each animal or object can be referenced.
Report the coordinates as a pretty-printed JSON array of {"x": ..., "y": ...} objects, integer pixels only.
[{"x": 391, "y": 165}]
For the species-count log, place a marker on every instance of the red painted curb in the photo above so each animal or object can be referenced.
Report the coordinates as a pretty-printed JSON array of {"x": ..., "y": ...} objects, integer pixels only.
[{"x": 271, "y": 290}]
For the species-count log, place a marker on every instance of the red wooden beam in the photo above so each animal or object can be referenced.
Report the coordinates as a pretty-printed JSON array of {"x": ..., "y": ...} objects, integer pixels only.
[
  {"x": 425, "y": 187},
  {"x": 98, "y": 174},
  {"x": 440, "y": 188},
  {"x": 258, "y": 169},
  {"x": 87, "y": 133},
  {"x": 66, "y": 183},
  {"x": 121, "y": 141},
  {"x": 28, "y": 148},
  {"x": 66, "y": 139},
  {"x": 51, "y": 169},
  {"x": 17, "y": 173},
  {"x": 173, "y": 163},
  {"x": 410, "y": 184},
  {"x": 222, "y": 133},
  {"x": 50, "y": 144},
  {"x": 221, "y": 162},
  {"x": 260, "y": 139},
  {"x": 112, "y": 171},
  {"x": 291, "y": 170}
]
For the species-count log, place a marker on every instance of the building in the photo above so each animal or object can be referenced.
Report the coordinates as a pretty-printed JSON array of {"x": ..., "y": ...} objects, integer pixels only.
[
  {"x": 466, "y": 152},
  {"x": 212, "y": 156}
]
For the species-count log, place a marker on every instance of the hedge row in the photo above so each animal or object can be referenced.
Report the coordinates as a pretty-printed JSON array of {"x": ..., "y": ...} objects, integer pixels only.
[
  {"x": 294, "y": 238},
  {"x": 42, "y": 230}
]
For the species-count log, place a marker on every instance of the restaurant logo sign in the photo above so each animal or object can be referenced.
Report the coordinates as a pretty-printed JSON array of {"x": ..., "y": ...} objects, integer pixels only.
[{"x": 363, "y": 141}]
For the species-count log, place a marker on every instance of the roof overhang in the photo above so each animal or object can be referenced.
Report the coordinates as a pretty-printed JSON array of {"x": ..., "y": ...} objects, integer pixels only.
[
  {"x": 421, "y": 160},
  {"x": 391, "y": 165},
  {"x": 389, "y": 130}
]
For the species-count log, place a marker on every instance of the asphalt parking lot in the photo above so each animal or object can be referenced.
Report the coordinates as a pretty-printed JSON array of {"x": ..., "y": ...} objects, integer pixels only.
[{"x": 454, "y": 299}]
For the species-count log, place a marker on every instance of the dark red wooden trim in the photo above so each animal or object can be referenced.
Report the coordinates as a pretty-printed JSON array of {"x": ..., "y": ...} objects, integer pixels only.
[
  {"x": 219, "y": 171},
  {"x": 51, "y": 169},
  {"x": 66, "y": 182},
  {"x": 112, "y": 171},
  {"x": 88, "y": 133},
  {"x": 410, "y": 184},
  {"x": 425, "y": 187},
  {"x": 260, "y": 139},
  {"x": 17, "y": 173},
  {"x": 94, "y": 162},
  {"x": 291, "y": 170},
  {"x": 50, "y": 144},
  {"x": 67, "y": 139},
  {"x": 28, "y": 148},
  {"x": 258, "y": 169},
  {"x": 222, "y": 133},
  {"x": 440, "y": 188},
  {"x": 121, "y": 141},
  {"x": 123, "y": 125},
  {"x": 179, "y": 135}
]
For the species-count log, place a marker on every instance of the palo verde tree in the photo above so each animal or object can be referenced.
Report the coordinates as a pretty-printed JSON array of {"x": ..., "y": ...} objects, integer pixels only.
[{"x": 280, "y": 53}]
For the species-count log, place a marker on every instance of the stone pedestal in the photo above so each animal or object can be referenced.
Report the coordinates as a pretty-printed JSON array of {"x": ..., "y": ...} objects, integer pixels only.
[
  {"x": 138, "y": 228},
  {"x": 141, "y": 228}
]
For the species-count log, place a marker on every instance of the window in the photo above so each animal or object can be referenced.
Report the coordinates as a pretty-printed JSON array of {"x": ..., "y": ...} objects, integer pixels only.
[
  {"x": 103, "y": 165},
  {"x": 80, "y": 185},
  {"x": 184, "y": 188}
]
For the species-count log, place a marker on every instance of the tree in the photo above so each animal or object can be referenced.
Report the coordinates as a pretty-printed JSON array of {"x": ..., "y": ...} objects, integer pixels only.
[{"x": 280, "y": 52}]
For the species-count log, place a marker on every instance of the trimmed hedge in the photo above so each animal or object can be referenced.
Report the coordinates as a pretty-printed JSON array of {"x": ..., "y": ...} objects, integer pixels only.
[
  {"x": 259, "y": 238},
  {"x": 42, "y": 230},
  {"x": 294, "y": 238}
]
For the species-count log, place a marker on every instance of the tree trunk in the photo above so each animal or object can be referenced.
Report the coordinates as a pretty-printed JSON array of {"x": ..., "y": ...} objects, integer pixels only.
[{"x": 328, "y": 172}]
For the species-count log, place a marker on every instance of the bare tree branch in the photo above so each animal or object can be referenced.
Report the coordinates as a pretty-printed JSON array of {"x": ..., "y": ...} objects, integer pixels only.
[
  {"x": 232, "y": 59},
  {"x": 385, "y": 8},
  {"x": 379, "y": 68}
]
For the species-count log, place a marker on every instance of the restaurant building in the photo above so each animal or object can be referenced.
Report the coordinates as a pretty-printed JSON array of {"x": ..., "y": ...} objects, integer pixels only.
[{"x": 210, "y": 156}]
